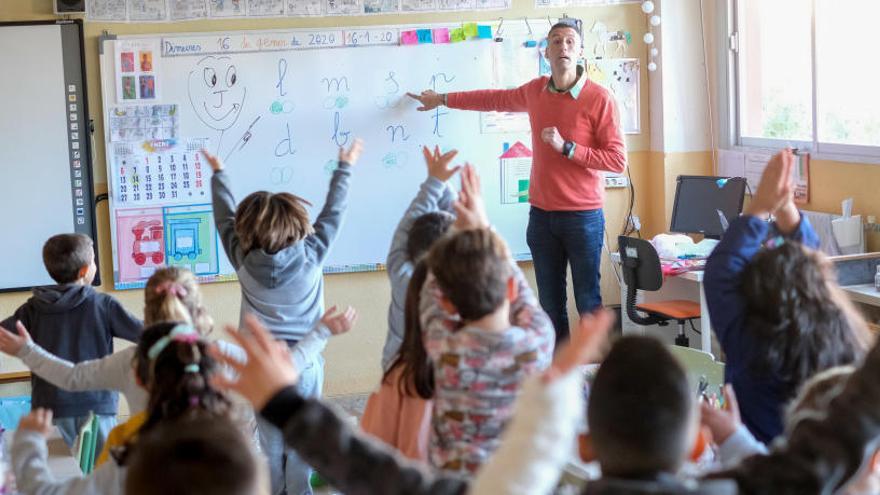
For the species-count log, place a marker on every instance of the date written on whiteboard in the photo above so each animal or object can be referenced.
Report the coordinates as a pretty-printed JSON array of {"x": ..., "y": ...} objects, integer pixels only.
[
  {"x": 318, "y": 39},
  {"x": 358, "y": 37}
]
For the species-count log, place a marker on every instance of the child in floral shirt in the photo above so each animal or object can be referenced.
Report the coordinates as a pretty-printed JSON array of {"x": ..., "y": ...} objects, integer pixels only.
[{"x": 484, "y": 332}]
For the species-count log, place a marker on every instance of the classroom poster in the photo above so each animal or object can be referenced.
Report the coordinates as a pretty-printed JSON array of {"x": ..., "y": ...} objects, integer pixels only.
[
  {"x": 159, "y": 172},
  {"x": 621, "y": 77},
  {"x": 305, "y": 7},
  {"x": 801, "y": 178},
  {"x": 455, "y": 4},
  {"x": 417, "y": 5},
  {"x": 136, "y": 70},
  {"x": 381, "y": 6},
  {"x": 140, "y": 244},
  {"x": 106, "y": 10},
  {"x": 504, "y": 122},
  {"x": 344, "y": 7},
  {"x": 226, "y": 8},
  {"x": 147, "y": 10},
  {"x": 191, "y": 238},
  {"x": 264, "y": 8},
  {"x": 143, "y": 123},
  {"x": 184, "y": 10},
  {"x": 516, "y": 171}
]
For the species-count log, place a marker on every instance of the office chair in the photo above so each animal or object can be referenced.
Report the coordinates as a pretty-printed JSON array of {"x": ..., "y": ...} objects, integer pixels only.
[{"x": 641, "y": 271}]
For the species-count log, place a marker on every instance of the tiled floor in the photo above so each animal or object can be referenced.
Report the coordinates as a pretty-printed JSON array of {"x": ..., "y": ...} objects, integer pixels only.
[{"x": 353, "y": 407}]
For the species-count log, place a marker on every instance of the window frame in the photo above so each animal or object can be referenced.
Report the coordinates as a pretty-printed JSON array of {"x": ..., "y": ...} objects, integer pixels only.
[{"x": 728, "y": 51}]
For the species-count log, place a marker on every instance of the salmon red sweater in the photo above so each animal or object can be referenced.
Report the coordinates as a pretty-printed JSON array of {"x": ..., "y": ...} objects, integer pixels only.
[{"x": 591, "y": 121}]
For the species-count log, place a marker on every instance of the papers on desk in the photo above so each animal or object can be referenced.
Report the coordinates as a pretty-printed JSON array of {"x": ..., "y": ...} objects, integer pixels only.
[
  {"x": 680, "y": 246},
  {"x": 671, "y": 268}
]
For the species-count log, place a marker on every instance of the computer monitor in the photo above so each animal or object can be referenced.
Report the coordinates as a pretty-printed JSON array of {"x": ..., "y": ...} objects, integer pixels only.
[{"x": 706, "y": 205}]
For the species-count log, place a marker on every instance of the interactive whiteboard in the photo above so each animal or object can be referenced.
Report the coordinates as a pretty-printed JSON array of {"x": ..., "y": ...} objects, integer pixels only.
[{"x": 44, "y": 146}]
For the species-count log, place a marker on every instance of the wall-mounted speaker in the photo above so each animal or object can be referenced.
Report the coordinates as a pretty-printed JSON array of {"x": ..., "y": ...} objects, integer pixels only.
[{"x": 70, "y": 6}]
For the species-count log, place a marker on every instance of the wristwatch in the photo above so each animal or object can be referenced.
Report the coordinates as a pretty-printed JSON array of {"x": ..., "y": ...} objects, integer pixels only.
[{"x": 566, "y": 148}]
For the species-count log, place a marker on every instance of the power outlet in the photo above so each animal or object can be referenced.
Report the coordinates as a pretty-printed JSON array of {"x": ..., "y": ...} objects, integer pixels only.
[
  {"x": 616, "y": 181},
  {"x": 636, "y": 222}
]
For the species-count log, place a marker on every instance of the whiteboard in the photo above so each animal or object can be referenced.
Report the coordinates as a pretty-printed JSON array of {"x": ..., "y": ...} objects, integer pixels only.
[
  {"x": 44, "y": 146},
  {"x": 276, "y": 105}
]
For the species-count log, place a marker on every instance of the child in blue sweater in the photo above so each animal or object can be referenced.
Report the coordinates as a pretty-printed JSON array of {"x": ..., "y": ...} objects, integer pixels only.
[{"x": 775, "y": 305}]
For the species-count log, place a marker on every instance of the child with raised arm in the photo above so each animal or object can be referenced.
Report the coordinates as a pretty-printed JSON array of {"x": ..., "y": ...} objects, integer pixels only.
[
  {"x": 179, "y": 382},
  {"x": 78, "y": 323},
  {"x": 355, "y": 464},
  {"x": 171, "y": 294},
  {"x": 776, "y": 308},
  {"x": 428, "y": 217},
  {"x": 278, "y": 255},
  {"x": 483, "y": 331}
]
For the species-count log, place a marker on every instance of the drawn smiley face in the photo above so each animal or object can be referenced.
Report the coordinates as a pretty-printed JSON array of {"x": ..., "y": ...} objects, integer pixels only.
[{"x": 216, "y": 93}]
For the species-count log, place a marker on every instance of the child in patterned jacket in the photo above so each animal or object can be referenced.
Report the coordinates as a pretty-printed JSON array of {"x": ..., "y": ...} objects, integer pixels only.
[{"x": 484, "y": 333}]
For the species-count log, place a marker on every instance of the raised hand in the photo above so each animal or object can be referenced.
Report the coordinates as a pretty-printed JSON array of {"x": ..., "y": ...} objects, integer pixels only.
[
  {"x": 268, "y": 368},
  {"x": 776, "y": 189},
  {"x": 340, "y": 323},
  {"x": 470, "y": 210},
  {"x": 721, "y": 422},
  {"x": 438, "y": 164},
  {"x": 429, "y": 100},
  {"x": 12, "y": 343},
  {"x": 39, "y": 420},
  {"x": 585, "y": 344},
  {"x": 213, "y": 161},
  {"x": 353, "y": 153}
]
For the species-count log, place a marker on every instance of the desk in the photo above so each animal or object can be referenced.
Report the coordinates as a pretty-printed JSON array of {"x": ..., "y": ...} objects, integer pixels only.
[
  {"x": 60, "y": 460},
  {"x": 689, "y": 286},
  {"x": 867, "y": 300}
]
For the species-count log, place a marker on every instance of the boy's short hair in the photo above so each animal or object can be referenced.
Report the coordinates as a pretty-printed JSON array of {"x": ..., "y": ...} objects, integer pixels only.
[
  {"x": 640, "y": 411},
  {"x": 271, "y": 221},
  {"x": 569, "y": 23},
  {"x": 425, "y": 230},
  {"x": 201, "y": 454},
  {"x": 64, "y": 255},
  {"x": 472, "y": 268}
]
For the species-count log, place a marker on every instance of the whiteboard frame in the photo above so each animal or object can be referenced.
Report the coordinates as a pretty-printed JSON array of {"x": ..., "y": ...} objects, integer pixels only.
[{"x": 86, "y": 155}]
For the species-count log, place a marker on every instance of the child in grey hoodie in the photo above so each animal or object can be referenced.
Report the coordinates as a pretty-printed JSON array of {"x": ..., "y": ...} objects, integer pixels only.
[{"x": 279, "y": 256}]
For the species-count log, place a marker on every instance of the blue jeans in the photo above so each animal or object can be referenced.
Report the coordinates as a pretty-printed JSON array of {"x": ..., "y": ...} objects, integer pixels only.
[
  {"x": 69, "y": 428},
  {"x": 287, "y": 472},
  {"x": 557, "y": 238}
]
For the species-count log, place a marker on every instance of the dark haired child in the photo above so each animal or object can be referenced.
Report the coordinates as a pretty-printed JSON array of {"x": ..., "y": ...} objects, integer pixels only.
[
  {"x": 178, "y": 371},
  {"x": 199, "y": 454},
  {"x": 775, "y": 305},
  {"x": 399, "y": 413},
  {"x": 428, "y": 217},
  {"x": 75, "y": 322}
]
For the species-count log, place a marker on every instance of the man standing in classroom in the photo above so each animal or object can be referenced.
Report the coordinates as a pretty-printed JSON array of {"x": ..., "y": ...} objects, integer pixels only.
[{"x": 576, "y": 135}]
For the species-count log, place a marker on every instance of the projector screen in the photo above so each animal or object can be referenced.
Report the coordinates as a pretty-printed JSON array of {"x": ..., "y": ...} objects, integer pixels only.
[{"x": 45, "y": 157}]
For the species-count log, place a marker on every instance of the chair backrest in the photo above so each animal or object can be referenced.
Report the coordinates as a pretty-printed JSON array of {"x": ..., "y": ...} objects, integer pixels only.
[
  {"x": 640, "y": 264},
  {"x": 86, "y": 443}
]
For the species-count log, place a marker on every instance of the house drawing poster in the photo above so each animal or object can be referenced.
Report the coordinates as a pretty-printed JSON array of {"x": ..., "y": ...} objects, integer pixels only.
[{"x": 516, "y": 171}]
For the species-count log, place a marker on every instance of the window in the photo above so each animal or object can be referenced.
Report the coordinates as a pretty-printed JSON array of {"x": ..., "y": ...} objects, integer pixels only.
[{"x": 806, "y": 76}]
